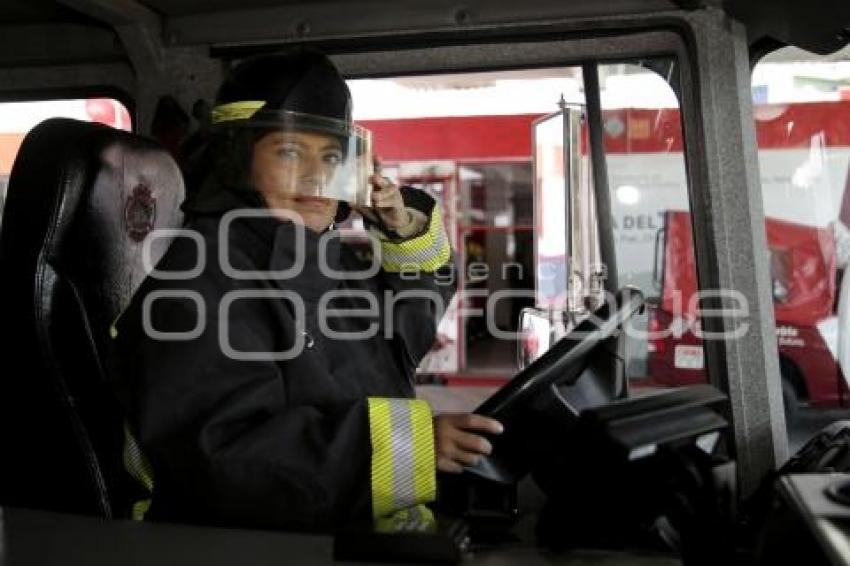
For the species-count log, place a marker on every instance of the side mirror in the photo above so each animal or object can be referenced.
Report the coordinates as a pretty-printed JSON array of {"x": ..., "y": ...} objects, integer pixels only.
[
  {"x": 538, "y": 330},
  {"x": 570, "y": 272}
]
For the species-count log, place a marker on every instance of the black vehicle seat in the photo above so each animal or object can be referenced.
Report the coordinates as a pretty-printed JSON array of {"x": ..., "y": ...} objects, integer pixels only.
[{"x": 81, "y": 201}]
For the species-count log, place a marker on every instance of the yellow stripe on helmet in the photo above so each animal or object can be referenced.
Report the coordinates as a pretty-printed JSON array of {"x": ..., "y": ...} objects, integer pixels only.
[{"x": 232, "y": 111}]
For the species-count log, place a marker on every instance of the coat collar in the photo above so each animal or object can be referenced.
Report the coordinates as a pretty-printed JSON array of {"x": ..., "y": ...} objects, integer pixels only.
[{"x": 309, "y": 256}]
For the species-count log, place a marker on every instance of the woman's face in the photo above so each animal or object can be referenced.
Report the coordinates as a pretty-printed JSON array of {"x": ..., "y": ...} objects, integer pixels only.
[{"x": 289, "y": 168}]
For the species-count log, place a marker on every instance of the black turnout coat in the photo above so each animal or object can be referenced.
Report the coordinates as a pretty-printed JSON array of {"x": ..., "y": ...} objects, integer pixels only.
[{"x": 280, "y": 443}]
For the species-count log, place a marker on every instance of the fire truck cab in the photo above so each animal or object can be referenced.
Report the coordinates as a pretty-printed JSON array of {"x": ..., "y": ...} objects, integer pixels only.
[{"x": 648, "y": 206}]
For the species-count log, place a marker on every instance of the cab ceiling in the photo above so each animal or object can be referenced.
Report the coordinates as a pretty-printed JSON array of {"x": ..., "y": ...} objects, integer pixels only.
[
  {"x": 189, "y": 7},
  {"x": 821, "y": 26},
  {"x": 22, "y": 12}
]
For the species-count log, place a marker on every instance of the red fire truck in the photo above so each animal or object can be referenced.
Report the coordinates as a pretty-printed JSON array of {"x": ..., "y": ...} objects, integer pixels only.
[
  {"x": 803, "y": 273},
  {"x": 804, "y": 259}
]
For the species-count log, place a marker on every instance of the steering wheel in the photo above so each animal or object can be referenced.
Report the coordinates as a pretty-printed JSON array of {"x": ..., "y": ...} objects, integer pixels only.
[{"x": 562, "y": 364}]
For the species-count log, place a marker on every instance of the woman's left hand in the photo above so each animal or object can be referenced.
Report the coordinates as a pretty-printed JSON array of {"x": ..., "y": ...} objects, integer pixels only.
[
  {"x": 459, "y": 440},
  {"x": 388, "y": 203}
]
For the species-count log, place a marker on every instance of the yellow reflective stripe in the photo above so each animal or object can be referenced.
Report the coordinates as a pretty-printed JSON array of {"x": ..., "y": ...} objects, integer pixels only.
[
  {"x": 140, "y": 470},
  {"x": 113, "y": 328},
  {"x": 418, "y": 518},
  {"x": 235, "y": 110},
  {"x": 424, "y": 476},
  {"x": 427, "y": 252},
  {"x": 135, "y": 462},
  {"x": 140, "y": 509},
  {"x": 403, "y": 470},
  {"x": 382, "y": 462}
]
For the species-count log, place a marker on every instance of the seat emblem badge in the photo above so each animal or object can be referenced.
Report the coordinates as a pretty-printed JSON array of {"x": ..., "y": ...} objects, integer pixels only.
[{"x": 140, "y": 213}]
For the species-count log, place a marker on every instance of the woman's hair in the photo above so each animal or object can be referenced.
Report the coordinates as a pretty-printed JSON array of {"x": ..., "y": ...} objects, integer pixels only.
[{"x": 223, "y": 162}]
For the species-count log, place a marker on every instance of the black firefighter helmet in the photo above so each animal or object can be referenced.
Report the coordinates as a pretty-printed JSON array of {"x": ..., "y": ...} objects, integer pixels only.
[{"x": 299, "y": 88}]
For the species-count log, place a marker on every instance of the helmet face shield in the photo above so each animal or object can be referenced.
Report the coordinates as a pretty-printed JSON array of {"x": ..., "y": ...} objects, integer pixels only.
[{"x": 304, "y": 155}]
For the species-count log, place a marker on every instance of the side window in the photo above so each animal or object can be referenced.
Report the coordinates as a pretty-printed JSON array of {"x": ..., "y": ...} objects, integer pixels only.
[
  {"x": 653, "y": 238},
  {"x": 467, "y": 139},
  {"x": 802, "y": 112},
  {"x": 18, "y": 118}
]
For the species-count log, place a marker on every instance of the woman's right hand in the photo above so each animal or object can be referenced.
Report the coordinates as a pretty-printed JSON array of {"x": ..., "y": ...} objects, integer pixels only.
[{"x": 456, "y": 443}]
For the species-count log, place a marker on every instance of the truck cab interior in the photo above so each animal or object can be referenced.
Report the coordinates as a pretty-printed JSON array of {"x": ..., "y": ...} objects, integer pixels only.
[{"x": 656, "y": 193}]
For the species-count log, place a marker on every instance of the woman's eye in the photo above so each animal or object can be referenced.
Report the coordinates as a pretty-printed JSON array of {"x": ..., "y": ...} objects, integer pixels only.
[
  {"x": 288, "y": 152},
  {"x": 333, "y": 158}
]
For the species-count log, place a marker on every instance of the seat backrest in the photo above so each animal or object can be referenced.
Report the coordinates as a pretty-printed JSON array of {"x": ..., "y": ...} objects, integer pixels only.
[{"x": 81, "y": 201}]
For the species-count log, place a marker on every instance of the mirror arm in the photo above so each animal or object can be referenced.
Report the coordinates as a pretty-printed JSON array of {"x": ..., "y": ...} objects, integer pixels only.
[{"x": 605, "y": 225}]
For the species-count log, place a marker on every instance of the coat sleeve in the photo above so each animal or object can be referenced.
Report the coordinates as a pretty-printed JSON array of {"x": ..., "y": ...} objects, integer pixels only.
[
  {"x": 226, "y": 444},
  {"x": 420, "y": 271}
]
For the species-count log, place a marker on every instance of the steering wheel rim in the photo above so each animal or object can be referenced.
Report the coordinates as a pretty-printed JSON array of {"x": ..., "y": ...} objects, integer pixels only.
[
  {"x": 550, "y": 368},
  {"x": 561, "y": 364}
]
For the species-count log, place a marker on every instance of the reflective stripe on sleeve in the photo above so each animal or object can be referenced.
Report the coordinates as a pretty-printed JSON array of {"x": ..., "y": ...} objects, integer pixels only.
[
  {"x": 403, "y": 469},
  {"x": 418, "y": 518},
  {"x": 427, "y": 252}
]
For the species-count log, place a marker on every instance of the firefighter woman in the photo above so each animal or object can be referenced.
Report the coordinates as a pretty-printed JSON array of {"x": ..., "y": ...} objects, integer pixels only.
[{"x": 266, "y": 370}]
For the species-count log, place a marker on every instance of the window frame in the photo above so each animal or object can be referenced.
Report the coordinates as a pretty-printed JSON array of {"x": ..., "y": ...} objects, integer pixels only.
[{"x": 741, "y": 368}]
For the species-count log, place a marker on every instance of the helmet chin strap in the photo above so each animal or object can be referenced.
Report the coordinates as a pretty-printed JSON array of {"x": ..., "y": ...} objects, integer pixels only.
[{"x": 343, "y": 211}]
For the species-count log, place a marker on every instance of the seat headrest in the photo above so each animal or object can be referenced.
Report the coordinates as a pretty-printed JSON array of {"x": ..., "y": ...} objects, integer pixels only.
[{"x": 82, "y": 199}]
